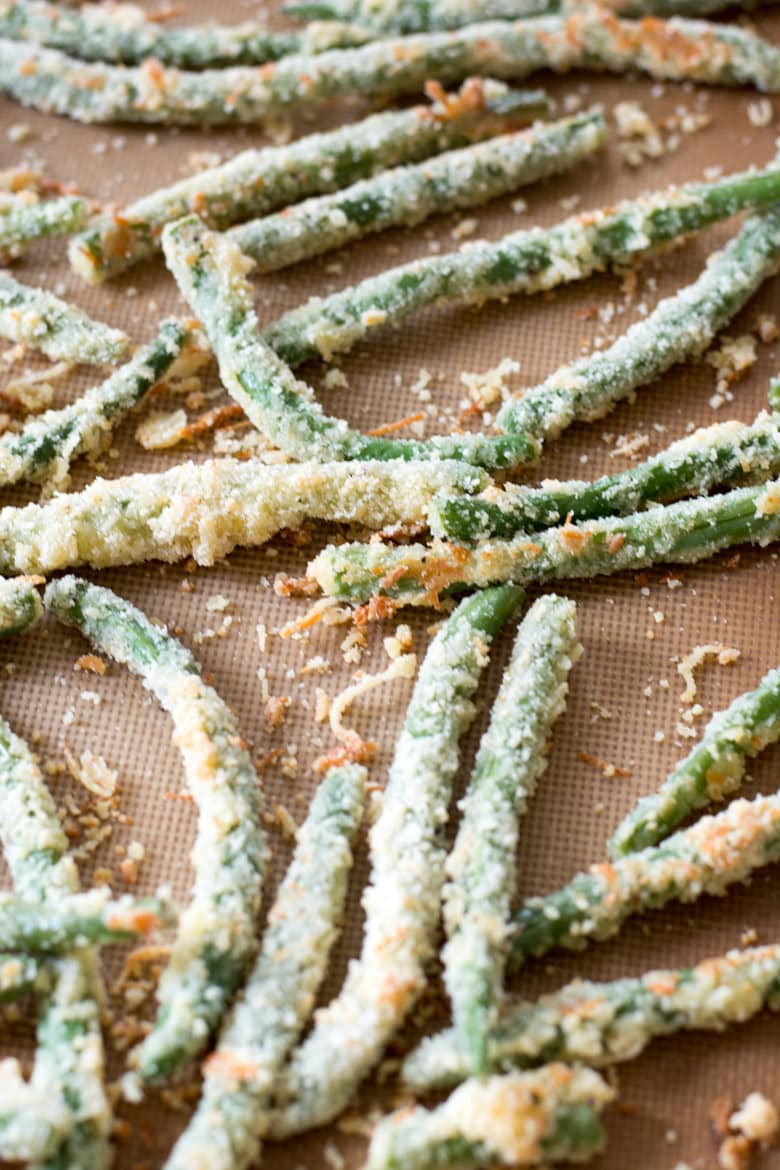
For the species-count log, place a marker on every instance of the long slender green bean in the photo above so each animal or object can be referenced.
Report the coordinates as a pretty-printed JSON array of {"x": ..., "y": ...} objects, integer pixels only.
[
  {"x": 45, "y": 447},
  {"x": 711, "y": 772},
  {"x": 216, "y": 936},
  {"x": 722, "y": 454},
  {"x": 68, "y": 1069},
  {"x": 521, "y": 1119},
  {"x": 59, "y": 330},
  {"x": 23, "y": 222},
  {"x": 205, "y": 510},
  {"x": 679, "y": 533},
  {"x": 413, "y": 16},
  {"x": 676, "y": 49},
  {"x": 406, "y": 196},
  {"x": 705, "y": 859},
  {"x": 257, "y": 182},
  {"x": 481, "y": 867},
  {"x": 279, "y": 995},
  {"x": 124, "y": 34},
  {"x": 603, "y": 1023},
  {"x": 20, "y": 605},
  {"x": 79, "y": 921},
  {"x": 530, "y": 260},
  {"x": 210, "y": 271},
  {"x": 680, "y": 327},
  {"x": 402, "y": 900}
]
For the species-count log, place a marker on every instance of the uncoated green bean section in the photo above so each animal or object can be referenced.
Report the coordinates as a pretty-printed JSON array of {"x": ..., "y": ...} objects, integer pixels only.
[
  {"x": 406, "y": 196},
  {"x": 210, "y": 271},
  {"x": 603, "y": 1023},
  {"x": 481, "y": 867},
  {"x": 256, "y": 182},
  {"x": 530, "y": 260},
  {"x": 279, "y": 994},
  {"x": 216, "y": 936}
]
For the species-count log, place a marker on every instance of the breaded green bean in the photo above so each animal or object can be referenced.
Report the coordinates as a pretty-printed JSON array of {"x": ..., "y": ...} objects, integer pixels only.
[
  {"x": 481, "y": 867},
  {"x": 711, "y": 772},
  {"x": 677, "y": 49},
  {"x": 215, "y": 941},
  {"x": 603, "y": 1023},
  {"x": 257, "y": 182},
  {"x": 23, "y": 222},
  {"x": 681, "y": 533},
  {"x": 521, "y": 1119},
  {"x": 412, "y": 16},
  {"x": 31, "y": 1122},
  {"x": 46, "y": 446},
  {"x": 21, "y": 974},
  {"x": 680, "y": 327},
  {"x": 210, "y": 272},
  {"x": 720, "y": 455},
  {"x": 205, "y": 510},
  {"x": 122, "y": 33},
  {"x": 38, "y": 318},
  {"x": 405, "y": 196},
  {"x": 20, "y": 606},
  {"x": 68, "y": 1070},
  {"x": 525, "y": 261},
  {"x": 277, "y": 1000},
  {"x": 705, "y": 859},
  {"x": 402, "y": 900},
  {"x": 77, "y": 921}
]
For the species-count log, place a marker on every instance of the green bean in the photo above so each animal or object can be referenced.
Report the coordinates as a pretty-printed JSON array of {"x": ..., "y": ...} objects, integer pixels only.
[
  {"x": 681, "y": 533},
  {"x": 413, "y": 16},
  {"x": 205, "y": 510},
  {"x": 279, "y": 995},
  {"x": 676, "y": 49},
  {"x": 68, "y": 1070},
  {"x": 124, "y": 34},
  {"x": 59, "y": 330},
  {"x": 521, "y": 1119},
  {"x": 406, "y": 196},
  {"x": 256, "y": 182},
  {"x": 530, "y": 260},
  {"x": 19, "y": 975},
  {"x": 722, "y": 454},
  {"x": 216, "y": 936},
  {"x": 23, "y": 222},
  {"x": 481, "y": 866},
  {"x": 31, "y": 1123},
  {"x": 705, "y": 859},
  {"x": 78, "y": 920},
  {"x": 603, "y": 1023},
  {"x": 45, "y": 447},
  {"x": 680, "y": 327},
  {"x": 20, "y": 605},
  {"x": 402, "y": 900},
  {"x": 209, "y": 270},
  {"x": 711, "y": 772}
]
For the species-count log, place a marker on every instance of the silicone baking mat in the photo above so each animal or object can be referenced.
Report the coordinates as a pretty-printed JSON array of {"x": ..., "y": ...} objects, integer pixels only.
[{"x": 624, "y": 707}]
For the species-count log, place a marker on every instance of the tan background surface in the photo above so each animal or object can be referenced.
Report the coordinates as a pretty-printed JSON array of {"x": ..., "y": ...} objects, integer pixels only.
[{"x": 666, "y": 1095}]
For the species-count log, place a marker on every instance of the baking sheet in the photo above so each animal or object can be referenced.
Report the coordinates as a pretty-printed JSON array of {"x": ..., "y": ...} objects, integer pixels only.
[{"x": 624, "y": 704}]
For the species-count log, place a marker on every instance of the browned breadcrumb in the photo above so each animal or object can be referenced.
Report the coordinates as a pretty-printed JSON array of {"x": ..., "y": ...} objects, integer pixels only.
[
  {"x": 723, "y": 655},
  {"x": 92, "y": 663},
  {"x": 608, "y": 771}
]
